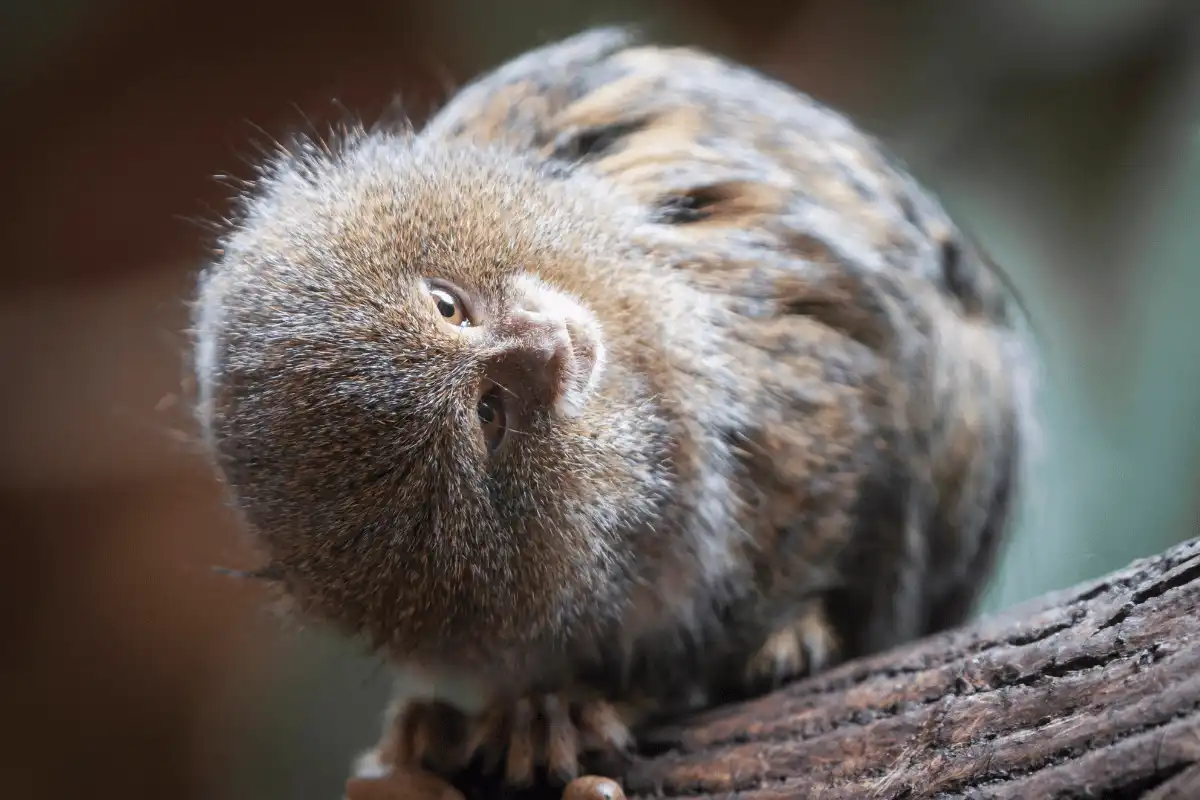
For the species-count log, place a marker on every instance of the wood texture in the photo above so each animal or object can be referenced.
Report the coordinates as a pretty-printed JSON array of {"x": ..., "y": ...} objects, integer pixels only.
[
  {"x": 1089, "y": 693},
  {"x": 1092, "y": 692}
]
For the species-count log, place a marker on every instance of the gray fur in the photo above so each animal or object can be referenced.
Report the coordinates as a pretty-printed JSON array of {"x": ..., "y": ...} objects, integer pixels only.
[{"x": 812, "y": 414}]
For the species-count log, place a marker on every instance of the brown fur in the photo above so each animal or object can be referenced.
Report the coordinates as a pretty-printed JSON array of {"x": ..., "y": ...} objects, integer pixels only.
[{"x": 803, "y": 448}]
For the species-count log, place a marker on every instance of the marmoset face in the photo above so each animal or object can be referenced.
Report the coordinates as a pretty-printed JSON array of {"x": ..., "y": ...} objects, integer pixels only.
[{"x": 411, "y": 406}]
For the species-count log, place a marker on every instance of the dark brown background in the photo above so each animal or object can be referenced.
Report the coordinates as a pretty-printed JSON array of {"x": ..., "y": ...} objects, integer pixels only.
[{"x": 1063, "y": 133}]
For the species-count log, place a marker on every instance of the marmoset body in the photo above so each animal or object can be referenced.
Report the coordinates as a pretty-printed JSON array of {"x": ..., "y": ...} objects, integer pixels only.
[{"x": 633, "y": 381}]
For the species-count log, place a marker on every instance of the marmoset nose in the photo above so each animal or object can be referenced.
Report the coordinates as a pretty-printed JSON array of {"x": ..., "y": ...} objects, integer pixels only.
[{"x": 534, "y": 365}]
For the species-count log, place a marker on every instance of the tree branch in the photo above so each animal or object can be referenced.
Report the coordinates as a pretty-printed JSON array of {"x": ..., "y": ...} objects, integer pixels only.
[{"x": 1093, "y": 692}]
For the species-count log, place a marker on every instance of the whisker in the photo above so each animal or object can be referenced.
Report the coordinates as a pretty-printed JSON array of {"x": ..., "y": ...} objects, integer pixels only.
[{"x": 505, "y": 388}]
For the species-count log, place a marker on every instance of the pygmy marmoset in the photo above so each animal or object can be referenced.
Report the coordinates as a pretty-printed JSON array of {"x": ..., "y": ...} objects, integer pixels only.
[{"x": 633, "y": 381}]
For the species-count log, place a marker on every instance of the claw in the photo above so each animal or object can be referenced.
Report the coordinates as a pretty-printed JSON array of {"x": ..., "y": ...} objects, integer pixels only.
[
  {"x": 515, "y": 740},
  {"x": 799, "y": 649},
  {"x": 562, "y": 752}
]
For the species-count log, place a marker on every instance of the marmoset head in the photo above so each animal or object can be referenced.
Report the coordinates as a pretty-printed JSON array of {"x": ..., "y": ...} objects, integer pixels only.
[{"x": 411, "y": 372}]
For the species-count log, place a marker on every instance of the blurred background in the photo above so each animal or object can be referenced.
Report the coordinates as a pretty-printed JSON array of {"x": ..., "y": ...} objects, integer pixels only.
[{"x": 1063, "y": 133}]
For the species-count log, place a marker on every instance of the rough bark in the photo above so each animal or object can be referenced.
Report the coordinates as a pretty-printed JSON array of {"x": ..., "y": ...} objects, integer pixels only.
[
  {"x": 1092, "y": 692},
  {"x": 1089, "y": 693}
]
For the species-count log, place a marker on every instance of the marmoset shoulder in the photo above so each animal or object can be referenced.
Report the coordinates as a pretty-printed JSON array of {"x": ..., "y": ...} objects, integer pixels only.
[{"x": 633, "y": 381}]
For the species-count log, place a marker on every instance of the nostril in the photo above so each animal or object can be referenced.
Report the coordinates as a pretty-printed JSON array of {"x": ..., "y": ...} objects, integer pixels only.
[{"x": 535, "y": 360}]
